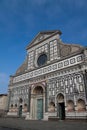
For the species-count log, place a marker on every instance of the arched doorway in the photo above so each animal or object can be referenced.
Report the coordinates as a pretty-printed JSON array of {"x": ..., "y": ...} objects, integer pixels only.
[
  {"x": 20, "y": 111},
  {"x": 37, "y": 103},
  {"x": 60, "y": 106},
  {"x": 20, "y": 107}
]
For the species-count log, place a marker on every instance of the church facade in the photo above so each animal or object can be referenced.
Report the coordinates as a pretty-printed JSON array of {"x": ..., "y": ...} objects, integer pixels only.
[{"x": 52, "y": 81}]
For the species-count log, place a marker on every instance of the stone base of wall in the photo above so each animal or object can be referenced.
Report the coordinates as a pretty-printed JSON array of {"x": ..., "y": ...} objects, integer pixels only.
[
  {"x": 46, "y": 116},
  {"x": 27, "y": 117},
  {"x": 13, "y": 114},
  {"x": 69, "y": 116},
  {"x": 76, "y": 115}
]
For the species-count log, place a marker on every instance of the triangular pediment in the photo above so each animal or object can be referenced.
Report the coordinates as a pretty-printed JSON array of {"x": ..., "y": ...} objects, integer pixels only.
[{"x": 42, "y": 36}]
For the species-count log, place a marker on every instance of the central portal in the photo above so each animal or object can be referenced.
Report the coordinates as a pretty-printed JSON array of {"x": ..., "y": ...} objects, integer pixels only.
[{"x": 37, "y": 101}]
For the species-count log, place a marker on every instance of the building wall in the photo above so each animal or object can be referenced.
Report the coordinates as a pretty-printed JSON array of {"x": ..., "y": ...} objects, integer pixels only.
[
  {"x": 3, "y": 102},
  {"x": 59, "y": 86}
]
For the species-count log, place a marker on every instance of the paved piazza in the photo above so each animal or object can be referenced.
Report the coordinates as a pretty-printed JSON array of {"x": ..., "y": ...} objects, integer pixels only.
[
  {"x": 4, "y": 128},
  {"x": 21, "y": 124}
]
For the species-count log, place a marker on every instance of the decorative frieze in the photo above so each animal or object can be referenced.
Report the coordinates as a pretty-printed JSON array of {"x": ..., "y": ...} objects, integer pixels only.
[{"x": 50, "y": 68}]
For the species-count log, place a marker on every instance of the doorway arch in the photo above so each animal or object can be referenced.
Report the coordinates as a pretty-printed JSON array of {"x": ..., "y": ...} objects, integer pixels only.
[
  {"x": 38, "y": 90},
  {"x": 37, "y": 101},
  {"x": 60, "y": 106},
  {"x": 20, "y": 107}
]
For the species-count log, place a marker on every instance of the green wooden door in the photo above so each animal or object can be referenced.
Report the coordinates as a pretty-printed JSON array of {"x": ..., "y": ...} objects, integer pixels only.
[{"x": 39, "y": 109}]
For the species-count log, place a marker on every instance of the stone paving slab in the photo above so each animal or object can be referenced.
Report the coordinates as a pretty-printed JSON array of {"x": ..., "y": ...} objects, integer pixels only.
[
  {"x": 21, "y": 124},
  {"x": 6, "y": 128}
]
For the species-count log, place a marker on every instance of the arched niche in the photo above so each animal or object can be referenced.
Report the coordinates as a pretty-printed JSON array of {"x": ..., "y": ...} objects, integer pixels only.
[
  {"x": 25, "y": 107},
  {"x": 51, "y": 107},
  {"x": 11, "y": 105},
  {"x": 70, "y": 106},
  {"x": 81, "y": 105},
  {"x": 20, "y": 100}
]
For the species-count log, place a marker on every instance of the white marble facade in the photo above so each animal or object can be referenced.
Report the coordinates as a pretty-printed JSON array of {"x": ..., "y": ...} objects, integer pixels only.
[{"x": 52, "y": 82}]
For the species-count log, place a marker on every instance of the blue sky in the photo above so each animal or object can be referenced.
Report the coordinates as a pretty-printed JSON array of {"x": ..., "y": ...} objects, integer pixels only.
[{"x": 21, "y": 20}]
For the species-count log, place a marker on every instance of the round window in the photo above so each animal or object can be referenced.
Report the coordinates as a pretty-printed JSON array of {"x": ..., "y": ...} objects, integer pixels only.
[{"x": 42, "y": 59}]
